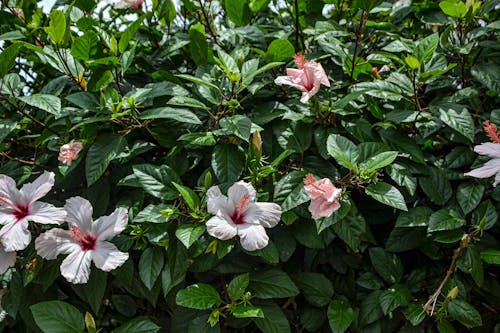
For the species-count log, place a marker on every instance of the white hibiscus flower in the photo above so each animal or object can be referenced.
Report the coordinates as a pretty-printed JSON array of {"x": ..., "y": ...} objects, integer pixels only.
[
  {"x": 239, "y": 214},
  {"x": 85, "y": 241},
  {"x": 17, "y": 207},
  {"x": 7, "y": 259}
]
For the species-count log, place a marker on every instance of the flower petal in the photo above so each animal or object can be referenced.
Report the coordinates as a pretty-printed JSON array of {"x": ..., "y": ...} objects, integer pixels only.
[
  {"x": 289, "y": 81},
  {"x": 38, "y": 188},
  {"x": 45, "y": 213},
  {"x": 54, "y": 242},
  {"x": 252, "y": 236},
  {"x": 8, "y": 188},
  {"x": 487, "y": 170},
  {"x": 7, "y": 259},
  {"x": 221, "y": 228},
  {"x": 238, "y": 190},
  {"x": 107, "y": 257},
  {"x": 488, "y": 148},
  {"x": 267, "y": 214},
  {"x": 15, "y": 236},
  {"x": 106, "y": 227},
  {"x": 321, "y": 208},
  {"x": 79, "y": 213},
  {"x": 76, "y": 267},
  {"x": 7, "y": 217},
  {"x": 320, "y": 74},
  {"x": 217, "y": 201}
]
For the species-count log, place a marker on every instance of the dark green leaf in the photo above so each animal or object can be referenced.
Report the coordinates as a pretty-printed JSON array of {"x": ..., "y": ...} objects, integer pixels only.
[
  {"x": 138, "y": 325},
  {"x": 198, "y": 296},
  {"x": 316, "y": 288},
  {"x": 105, "y": 148},
  {"x": 179, "y": 115},
  {"x": 272, "y": 283},
  {"x": 228, "y": 162},
  {"x": 445, "y": 219},
  {"x": 464, "y": 313},
  {"x": 237, "y": 286},
  {"x": 387, "y": 265},
  {"x": 340, "y": 316},
  {"x": 57, "y": 317},
  {"x": 387, "y": 194},
  {"x": 49, "y": 103},
  {"x": 150, "y": 266}
]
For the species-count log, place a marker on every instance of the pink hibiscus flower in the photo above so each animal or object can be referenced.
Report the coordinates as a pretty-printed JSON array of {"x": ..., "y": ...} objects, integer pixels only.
[{"x": 324, "y": 196}]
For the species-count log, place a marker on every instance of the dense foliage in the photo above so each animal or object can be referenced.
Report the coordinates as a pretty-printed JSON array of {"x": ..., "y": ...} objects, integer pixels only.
[{"x": 141, "y": 108}]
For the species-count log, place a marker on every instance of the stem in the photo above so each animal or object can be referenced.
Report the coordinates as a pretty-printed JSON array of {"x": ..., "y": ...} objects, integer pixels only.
[
  {"x": 22, "y": 161},
  {"x": 359, "y": 38},
  {"x": 297, "y": 25},
  {"x": 456, "y": 254},
  {"x": 207, "y": 22}
]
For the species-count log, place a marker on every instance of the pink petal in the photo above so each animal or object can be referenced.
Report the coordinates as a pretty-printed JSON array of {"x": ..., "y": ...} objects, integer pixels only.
[
  {"x": 267, "y": 214},
  {"x": 15, "y": 236},
  {"x": 79, "y": 213},
  {"x": 76, "y": 267},
  {"x": 489, "y": 148},
  {"x": 252, "y": 237},
  {"x": 221, "y": 228},
  {"x": 288, "y": 80},
  {"x": 107, "y": 227},
  {"x": 45, "y": 213},
  {"x": 39, "y": 187},
  {"x": 487, "y": 170},
  {"x": 107, "y": 257},
  {"x": 54, "y": 242}
]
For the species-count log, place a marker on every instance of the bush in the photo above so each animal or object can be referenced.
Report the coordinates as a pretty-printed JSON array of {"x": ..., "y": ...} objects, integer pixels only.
[{"x": 160, "y": 172}]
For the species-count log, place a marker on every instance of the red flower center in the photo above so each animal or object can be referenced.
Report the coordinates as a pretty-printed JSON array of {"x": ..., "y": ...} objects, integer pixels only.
[
  {"x": 21, "y": 212},
  {"x": 238, "y": 215},
  {"x": 85, "y": 240}
]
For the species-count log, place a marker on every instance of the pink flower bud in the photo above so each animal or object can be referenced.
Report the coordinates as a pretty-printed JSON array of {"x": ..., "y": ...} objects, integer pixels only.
[{"x": 69, "y": 152}]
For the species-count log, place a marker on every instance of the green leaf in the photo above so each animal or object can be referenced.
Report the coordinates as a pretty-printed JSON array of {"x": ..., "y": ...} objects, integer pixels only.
[
  {"x": 199, "y": 81},
  {"x": 129, "y": 33},
  {"x": 379, "y": 161},
  {"x": 272, "y": 283},
  {"x": 393, "y": 298},
  {"x": 465, "y": 313},
  {"x": 414, "y": 314},
  {"x": 198, "y": 296},
  {"x": 485, "y": 216},
  {"x": 426, "y": 47},
  {"x": 156, "y": 180},
  {"x": 342, "y": 150},
  {"x": 470, "y": 262},
  {"x": 445, "y": 219},
  {"x": 49, "y": 103},
  {"x": 228, "y": 65},
  {"x": 138, "y": 325},
  {"x": 404, "y": 239},
  {"x": 247, "y": 311},
  {"x": 455, "y": 8},
  {"x": 370, "y": 310},
  {"x": 198, "y": 45},
  {"x": 106, "y": 147},
  {"x": 488, "y": 74},
  {"x": 238, "y": 125},
  {"x": 57, "y": 27},
  {"x": 85, "y": 47},
  {"x": 280, "y": 50},
  {"x": 386, "y": 194},
  {"x": 191, "y": 198},
  {"x": 8, "y": 58},
  {"x": 340, "y": 316},
  {"x": 228, "y": 162},
  {"x": 491, "y": 256},
  {"x": 6, "y": 126},
  {"x": 296, "y": 138},
  {"x": 387, "y": 265},
  {"x": 93, "y": 291},
  {"x": 238, "y": 11},
  {"x": 150, "y": 266},
  {"x": 316, "y": 288},
  {"x": 57, "y": 317},
  {"x": 166, "y": 112},
  {"x": 414, "y": 217},
  {"x": 289, "y": 191},
  {"x": 436, "y": 186},
  {"x": 457, "y": 117},
  {"x": 402, "y": 143},
  {"x": 412, "y": 62},
  {"x": 237, "y": 286},
  {"x": 444, "y": 326},
  {"x": 189, "y": 233},
  {"x": 274, "y": 320},
  {"x": 469, "y": 195}
]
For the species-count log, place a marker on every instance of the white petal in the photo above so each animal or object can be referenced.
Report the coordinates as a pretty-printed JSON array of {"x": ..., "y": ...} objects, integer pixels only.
[
  {"x": 79, "y": 213},
  {"x": 45, "y": 213},
  {"x": 40, "y": 187},
  {"x": 106, "y": 227},
  {"x": 238, "y": 190},
  {"x": 267, "y": 214},
  {"x": 7, "y": 259},
  {"x": 15, "y": 236},
  {"x": 8, "y": 188},
  {"x": 107, "y": 257},
  {"x": 6, "y": 217},
  {"x": 489, "y": 148},
  {"x": 221, "y": 228},
  {"x": 487, "y": 170},
  {"x": 76, "y": 267},
  {"x": 54, "y": 242},
  {"x": 217, "y": 201},
  {"x": 252, "y": 236}
]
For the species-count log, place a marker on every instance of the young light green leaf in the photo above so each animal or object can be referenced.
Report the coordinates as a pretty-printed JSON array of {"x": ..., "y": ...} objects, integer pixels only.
[
  {"x": 237, "y": 286},
  {"x": 199, "y": 296}
]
